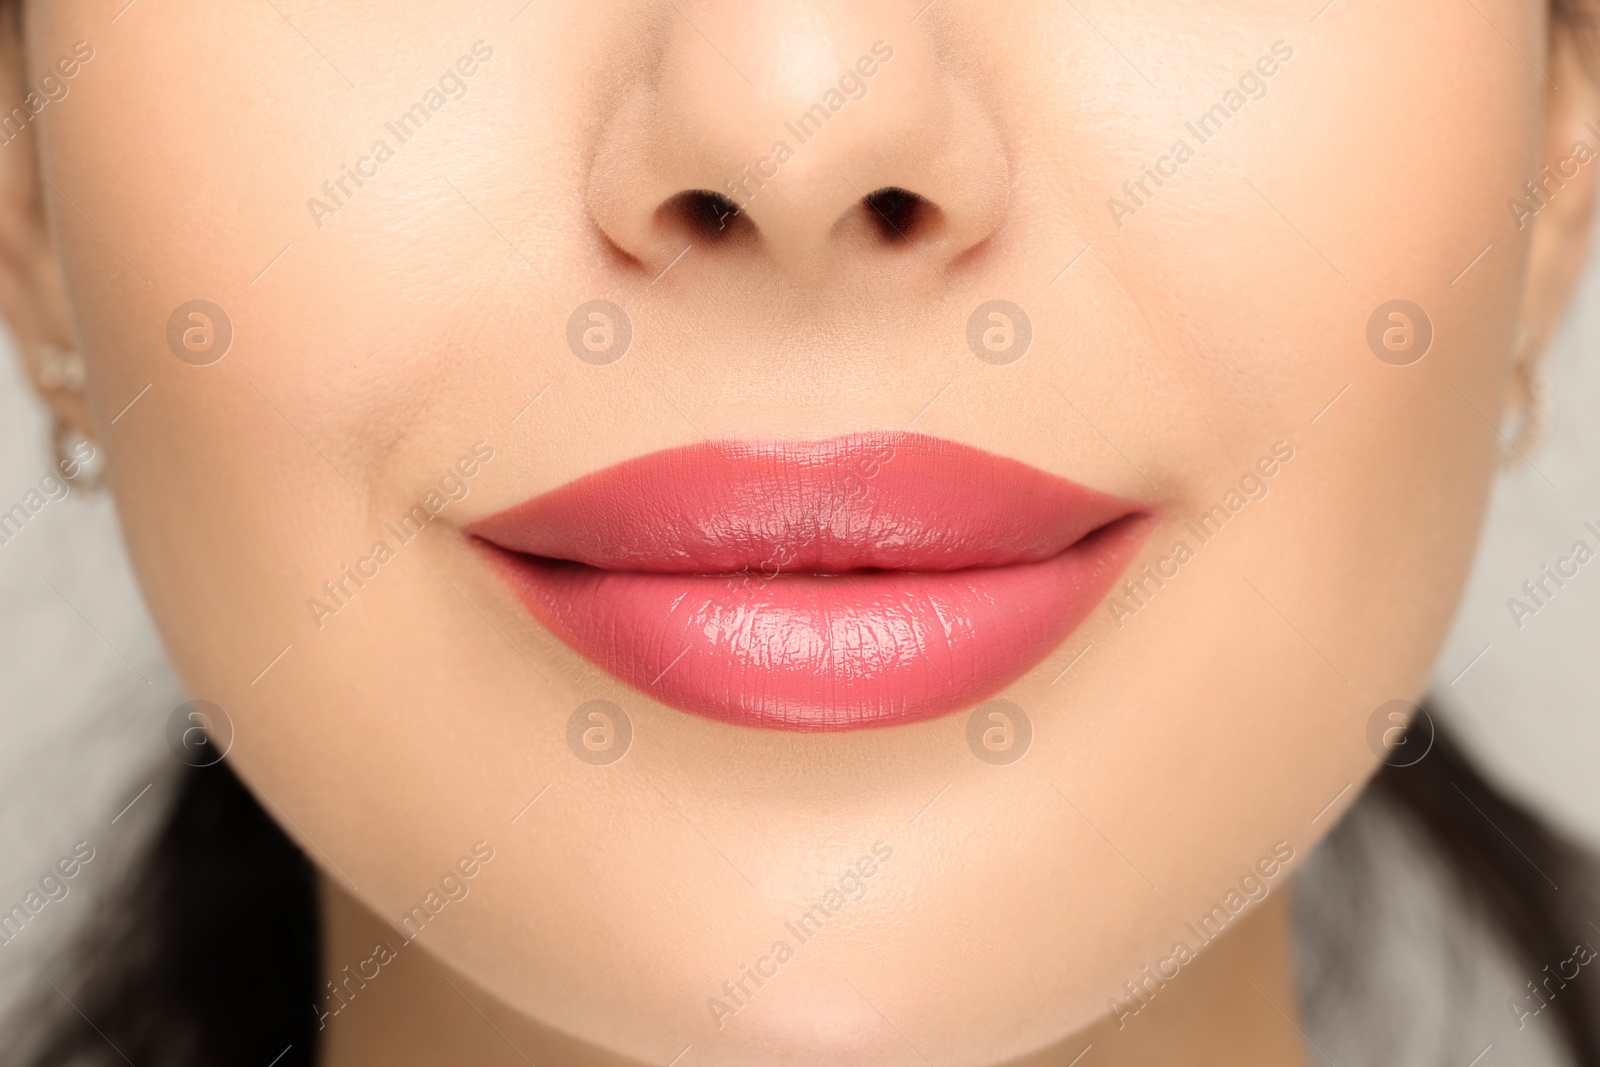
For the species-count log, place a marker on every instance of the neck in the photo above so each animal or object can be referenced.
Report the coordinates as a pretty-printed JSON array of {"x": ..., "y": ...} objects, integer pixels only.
[{"x": 1235, "y": 1004}]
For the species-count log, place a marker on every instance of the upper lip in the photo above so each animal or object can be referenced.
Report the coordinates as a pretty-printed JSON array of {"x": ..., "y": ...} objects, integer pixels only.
[{"x": 897, "y": 502}]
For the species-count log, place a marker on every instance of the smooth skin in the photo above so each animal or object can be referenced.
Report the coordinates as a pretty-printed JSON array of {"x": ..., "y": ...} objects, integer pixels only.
[{"x": 376, "y": 344}]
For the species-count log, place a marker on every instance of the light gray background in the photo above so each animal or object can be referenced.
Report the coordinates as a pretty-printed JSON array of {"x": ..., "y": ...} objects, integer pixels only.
[{"x": 85, "y": 692}]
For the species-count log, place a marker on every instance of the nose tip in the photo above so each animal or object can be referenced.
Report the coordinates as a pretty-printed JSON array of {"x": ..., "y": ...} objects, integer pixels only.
[{"x": 798, "y": 151}]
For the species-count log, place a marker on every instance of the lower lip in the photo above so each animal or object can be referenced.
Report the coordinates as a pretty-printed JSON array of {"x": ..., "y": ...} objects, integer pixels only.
[
  {"x": 823, "y": 652},
  {"x": 863, "y": 581}
]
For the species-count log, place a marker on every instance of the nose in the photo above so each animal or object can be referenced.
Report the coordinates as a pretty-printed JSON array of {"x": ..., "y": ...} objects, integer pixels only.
[{"x": 806, "y": 134}]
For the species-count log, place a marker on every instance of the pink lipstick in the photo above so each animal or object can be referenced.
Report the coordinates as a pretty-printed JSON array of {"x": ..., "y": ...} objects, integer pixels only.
[{"x": 862, "y": 581}]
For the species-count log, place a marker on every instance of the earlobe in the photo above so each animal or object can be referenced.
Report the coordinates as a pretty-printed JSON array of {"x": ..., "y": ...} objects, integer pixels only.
[
  {"x": 1558, "y": 205},
  {"x": 1529, "y": 396},
  {"x": 32, "y": 294}
]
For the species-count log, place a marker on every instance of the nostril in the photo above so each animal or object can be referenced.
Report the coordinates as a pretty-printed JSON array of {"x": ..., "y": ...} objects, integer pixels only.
[
  {"x": 897, "y": 213},
  {"x": 707, "y": 214}
]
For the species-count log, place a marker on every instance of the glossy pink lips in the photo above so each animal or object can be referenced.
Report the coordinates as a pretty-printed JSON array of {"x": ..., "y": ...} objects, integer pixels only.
[{"x": 827, "y": 585}]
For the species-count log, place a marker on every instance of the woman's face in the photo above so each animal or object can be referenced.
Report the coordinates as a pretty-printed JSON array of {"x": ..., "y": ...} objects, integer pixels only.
[{"x": 1205, "y": 214}]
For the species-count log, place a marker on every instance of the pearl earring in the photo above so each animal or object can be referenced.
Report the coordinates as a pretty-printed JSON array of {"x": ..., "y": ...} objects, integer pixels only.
[
  {"x": 62, "y": 370},
  {"x": 1531, "y": 379}
]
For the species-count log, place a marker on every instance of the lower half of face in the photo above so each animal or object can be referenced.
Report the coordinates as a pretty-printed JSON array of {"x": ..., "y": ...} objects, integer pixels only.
[{"x": 1227, "y": 256}]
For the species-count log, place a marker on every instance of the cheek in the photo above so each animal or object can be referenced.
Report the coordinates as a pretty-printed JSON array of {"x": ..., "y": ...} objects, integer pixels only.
[
  {"x": 1243, "y": 291},
  {"x": 342, "y": 333},
  {"x": 1365, "y": 175}
]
